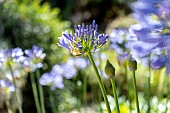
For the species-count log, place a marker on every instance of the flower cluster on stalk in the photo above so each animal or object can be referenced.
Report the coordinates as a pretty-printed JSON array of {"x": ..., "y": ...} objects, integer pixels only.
[
  {"x": 34, "y": 58},
  {"x": 153, "y": 32},
  {"x": 6, "y": 87},
  {"x": 85, "y": 39},
  {"x": 15, "y": 62}
]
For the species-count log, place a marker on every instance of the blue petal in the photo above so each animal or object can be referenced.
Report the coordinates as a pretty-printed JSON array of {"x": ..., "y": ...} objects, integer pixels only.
[
  {"x": 168, "y": 65},
  {"x": 159, "y": 62},
  {"x": 63, "y": 44}
]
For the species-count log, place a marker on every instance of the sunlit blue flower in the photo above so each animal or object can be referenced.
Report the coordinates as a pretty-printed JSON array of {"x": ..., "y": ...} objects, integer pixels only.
[{"x": 85, "y": 39}]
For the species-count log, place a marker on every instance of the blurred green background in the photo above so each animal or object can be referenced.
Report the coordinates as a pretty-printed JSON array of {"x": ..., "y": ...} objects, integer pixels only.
[{"x": 24, "y": 23}]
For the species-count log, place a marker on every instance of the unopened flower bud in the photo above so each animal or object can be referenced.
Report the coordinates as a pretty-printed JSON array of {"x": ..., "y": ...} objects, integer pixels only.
[
  {"x": 132, "y": 64},
  {"x": 109, "y": 69}
]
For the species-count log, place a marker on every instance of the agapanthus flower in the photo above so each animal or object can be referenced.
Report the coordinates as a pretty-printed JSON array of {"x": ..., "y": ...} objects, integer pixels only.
[
  {"x": 53, "y": 80},
  {"x": 120, "y": 40},
  {"x": 9, "y": 56},
  {"x": 85, "y": 39},
  {"x": 146, "y": 9},
  {"x": 69, "y": 70},
  {"x": 6, "y": 87},
  {"x": 34, "y": 59},
  {"x": 55, "y": 77},
  {"x": 154, "y": 35}
]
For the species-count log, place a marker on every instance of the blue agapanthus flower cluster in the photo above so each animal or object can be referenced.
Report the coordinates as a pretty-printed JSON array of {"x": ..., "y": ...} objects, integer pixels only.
[
  {"x": 34, "y": 58},
  {"x": 153, "y": 32},
  {"x": 10, "y": 56},
  {"x": 120, "y": 39},
  {"x": 62, "y": 71},
  {"x": 20, "y": 61},
  {"x": 6, "y": 87},
  {"x": 85, "y": 39}
]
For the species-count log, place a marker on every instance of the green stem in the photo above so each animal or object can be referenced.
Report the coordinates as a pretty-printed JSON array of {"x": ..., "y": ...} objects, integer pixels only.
[
  {"x": 100, "y": 82},
  {"x": 128, "y": 88},
  {"x": 115, "y": 95},
  {"x": 149, "y": 92},
  {"x": 136, "y": 94},
  {"x": 85, "y": 92},
  {"x": 35, "y": 93},
  {"x": 149, "y": 88},
  {"x": 167, "y": 99},
  {"x": 16, "y": 90},
  {"x": 8, "y": 105},
  {"x": 52, "y": 101},
  {"x": 100, "y": 99},
  {"x": 41, "y": 93}
]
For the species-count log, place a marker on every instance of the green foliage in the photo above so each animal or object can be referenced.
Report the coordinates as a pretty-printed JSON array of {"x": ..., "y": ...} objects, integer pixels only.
[{"x": 28, "y": 23}]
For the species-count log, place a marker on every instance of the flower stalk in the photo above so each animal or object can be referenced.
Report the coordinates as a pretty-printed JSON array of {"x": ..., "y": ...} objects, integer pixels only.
[
  {"x": 35, "y": 93},
  {"x": 135, "y": 90},
  {"x": 149, "y": 91},
  {"x": 100, "y": 82},
  {"x": 85, "y": 92},
  {"x": 8, "y": 105},
  {"x": 41, "y": 94},
  {"x": 115, "y": 94},
  {"x": 16, "y": 89},
  {"x": 52, "y": 101},
  {"x": 110, "y": 72},
  {"x": 133, "y": 67}
]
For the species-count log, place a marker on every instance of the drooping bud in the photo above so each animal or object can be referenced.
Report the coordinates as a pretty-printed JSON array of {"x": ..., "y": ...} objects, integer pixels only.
[
  {"x": 132, "y": 64},
  {"x": 109, "y": 69}
]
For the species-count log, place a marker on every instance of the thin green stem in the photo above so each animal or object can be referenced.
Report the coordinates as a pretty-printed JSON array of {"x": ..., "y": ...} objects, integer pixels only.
[
  {"x": 16, "y": 89},
  {"x": 100, "y": 68},
  {"x": 100, "y": 82},
  {"x": 149, "y": 92},
  {"x": 100, "y": 99},
  {"x": 41, "y": 93},
  {"x": 149, "y": 88},
  {"x": 128, "y": 88},
  {"x": 115, "y": 94},
  {"x": 136, "y": 94},
  {"x": 52, "y": 101},
  {"x": 167, "y": 99},
  {"x": 8, "y": 105},
  {"x": 85, "y": 92},
  {"x": 35, "y": 93}
]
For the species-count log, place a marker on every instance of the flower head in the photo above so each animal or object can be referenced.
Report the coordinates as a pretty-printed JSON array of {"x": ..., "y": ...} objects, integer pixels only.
[
  {"x": 153, "y": 31},
  {"x": 9, "y": 56},
  {"x": 55, "y": 77},
  {"x": 6, "y": 87},
  {"x": 85, "y": 39},
  {"x": 34, "y": 58}
]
